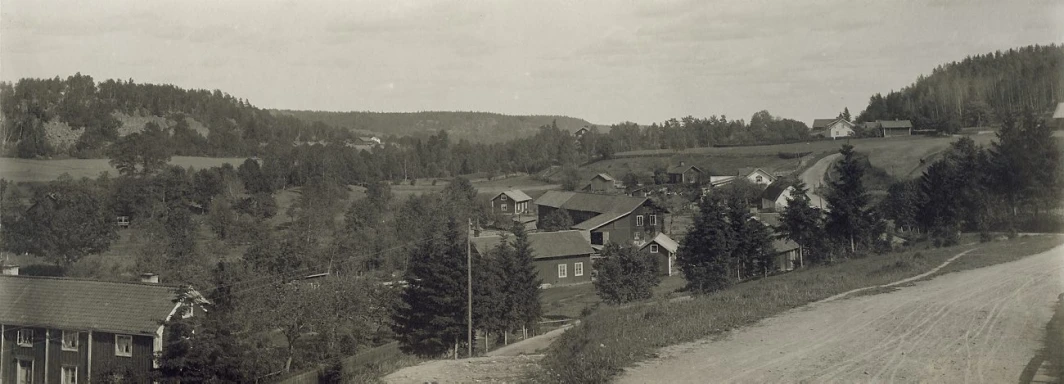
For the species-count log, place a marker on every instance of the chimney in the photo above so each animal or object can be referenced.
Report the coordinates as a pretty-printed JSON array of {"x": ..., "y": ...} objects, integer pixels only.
[
  {"x": 681, "y": 163},
  {"x": 10, "y": 270},
  {"x": 150, "y": 278}
]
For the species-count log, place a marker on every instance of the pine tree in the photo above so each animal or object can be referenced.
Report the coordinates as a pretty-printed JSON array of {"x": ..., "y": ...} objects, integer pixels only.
[
  {"x": 432, "y": 317},
  {"x": 846, "y": 200},
  {"x": 625, "y": 274},
  {"x": 705, "y": 250},
  {"x": 800, "y": 221}
]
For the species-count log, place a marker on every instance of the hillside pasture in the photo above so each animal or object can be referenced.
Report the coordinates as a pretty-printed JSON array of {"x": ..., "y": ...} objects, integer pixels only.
[{"x": 32, "y": 170}]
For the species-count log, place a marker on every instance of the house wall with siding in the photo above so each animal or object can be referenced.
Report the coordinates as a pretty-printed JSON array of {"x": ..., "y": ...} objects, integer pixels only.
[
  {"x": 893, "y": 132},
  {"x": 511, "y": 206},
  {"x": 50, "y": 343},
  {"x": 599, "y": 184},
  {"x": 624, "y": 230},
  {"x": 547, "y": 268},
  {"x": 786, "y": 261},
  {"x": 840, "y": 129},
  {"x": 662, "y": 258},
  {"x": 104, "y": 358}
]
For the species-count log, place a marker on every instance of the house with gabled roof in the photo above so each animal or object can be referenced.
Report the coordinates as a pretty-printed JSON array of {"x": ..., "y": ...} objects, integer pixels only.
[
  {"x": 603, "y": 182},
  {"x": 892, "y": 128},
  {"x": 684, "y": 174},
  {"x": 512, "y": 202},
  {"x": 774, "y": 197},
  {"x": 560, "y": 258},
  {"x": 58, "y": 330},
  {"x": 760, "y": 176},
  {"x": 625, "y": 220},
  {"x": 831, "y": 128},
  {"x": 663, "y": 249}
]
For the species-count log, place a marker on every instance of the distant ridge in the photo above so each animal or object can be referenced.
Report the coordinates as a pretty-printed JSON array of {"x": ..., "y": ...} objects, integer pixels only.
[{"x": 484, "y": 127}]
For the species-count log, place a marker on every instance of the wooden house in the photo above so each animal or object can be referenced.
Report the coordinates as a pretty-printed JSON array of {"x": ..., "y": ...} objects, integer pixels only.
[
  {"x": 774, "y": 197},
  {"x": 760, "y": 176},
  {"x": 831, "y": 128},
  {"x": 55, "y": 330},
  {"x": 684, "y": 174},
  {"x": 625, "y": 220},
  {"x": 603, "y": 183},
  {"x": 892, "y": 128},
  {"x": 560, "y": 258},
  {"x": 663, "y": 249},
  {"x": 512, "y": 202}
]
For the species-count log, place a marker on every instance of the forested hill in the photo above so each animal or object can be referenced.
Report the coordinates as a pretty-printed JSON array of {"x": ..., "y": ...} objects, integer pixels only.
[
  {"x": 978, "y": 90},
  {"x": 79, "y": 117},
  {"x": 474, "y": 126}
]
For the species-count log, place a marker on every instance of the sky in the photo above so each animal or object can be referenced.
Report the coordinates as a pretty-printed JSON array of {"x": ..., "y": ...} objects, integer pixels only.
[{"x": 603, "y": 61}]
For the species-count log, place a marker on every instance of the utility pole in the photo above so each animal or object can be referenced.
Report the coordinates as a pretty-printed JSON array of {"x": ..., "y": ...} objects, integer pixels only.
[{"x": 469, "y": 288}]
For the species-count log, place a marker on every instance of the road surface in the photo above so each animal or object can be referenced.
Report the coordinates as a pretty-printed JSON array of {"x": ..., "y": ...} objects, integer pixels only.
[
  {"x": 506, "y": 364},
  {"x": 982, "y": 326},
  {"x": 814, "y": 177}
]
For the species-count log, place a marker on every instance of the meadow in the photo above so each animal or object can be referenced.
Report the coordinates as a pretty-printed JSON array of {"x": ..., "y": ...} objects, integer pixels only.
[{"x": 612, "y": 338}]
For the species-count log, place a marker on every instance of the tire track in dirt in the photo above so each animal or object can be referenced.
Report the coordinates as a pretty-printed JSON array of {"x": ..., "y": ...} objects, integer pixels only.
[{"x": 980, "y": 325}]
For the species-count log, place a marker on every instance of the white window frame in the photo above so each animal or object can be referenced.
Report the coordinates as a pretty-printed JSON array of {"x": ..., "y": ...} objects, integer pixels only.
[
  {"x": 118, "y": 350},
  {"x": 65, "y": 377},
  {"x": 578, "y": 269},
  {"x": 653, "y": 248},
  {"x": 759, "y": 179},
  {"x": 76, "y": 340},
  {"x": 18, "y": 369},
  {"x": 502, "y": 205},
  {"x": 639, "y": 220},
  {"x": 563, "y": 271},
  {"x": 24, "y": 338},
  {"x": 653, "y": 219}
]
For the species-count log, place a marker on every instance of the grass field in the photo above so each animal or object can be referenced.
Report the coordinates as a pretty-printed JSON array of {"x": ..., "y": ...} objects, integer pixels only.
[
  {"x": 28, "y": 170},
  {"x": 611, "y": 339}
]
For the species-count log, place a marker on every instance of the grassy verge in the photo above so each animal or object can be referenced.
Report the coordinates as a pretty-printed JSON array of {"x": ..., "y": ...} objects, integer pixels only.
[{"x": 611, "y": 339}]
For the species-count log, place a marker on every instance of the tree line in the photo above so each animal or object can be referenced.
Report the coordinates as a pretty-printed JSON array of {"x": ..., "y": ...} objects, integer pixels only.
[{"x": 980, "y": 90}]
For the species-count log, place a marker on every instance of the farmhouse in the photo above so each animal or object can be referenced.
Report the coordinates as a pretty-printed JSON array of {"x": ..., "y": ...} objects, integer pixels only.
[
  {"x": 759, "y": 176},
  {"x": 774, "y": 198},
  {"x": 512, "y": 202},
  {"x": 663, "y": 249},
  {"x": 833, "y": 128},
  {"x": 892, "y": 128},
  {"x": 684, "y": 174},
  {"x": 58, "y": 330},
  {"x": 605, "y": 218},
  {"x": 561, "y": 258},
  {"x": 603, "y": 183}
]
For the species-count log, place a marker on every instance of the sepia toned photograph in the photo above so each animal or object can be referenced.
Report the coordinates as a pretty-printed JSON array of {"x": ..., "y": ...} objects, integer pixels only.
[{"x": 547, "y": 191}]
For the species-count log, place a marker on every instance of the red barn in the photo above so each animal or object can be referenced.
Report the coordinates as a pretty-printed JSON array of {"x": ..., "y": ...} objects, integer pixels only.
[{"x": 561, "y": 258}]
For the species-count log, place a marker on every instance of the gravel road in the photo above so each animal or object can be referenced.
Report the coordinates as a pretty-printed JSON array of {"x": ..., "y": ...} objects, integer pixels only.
[
  {"x": 982, "y": 325},
  {"x": 814, "y": 177}
]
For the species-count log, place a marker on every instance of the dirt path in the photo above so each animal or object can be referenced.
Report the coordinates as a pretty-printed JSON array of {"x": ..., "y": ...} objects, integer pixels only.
[
  {"x": 982, "y": 325},
  {"x": 504, "y": 365},
  {"x": 814, "y": 177}
]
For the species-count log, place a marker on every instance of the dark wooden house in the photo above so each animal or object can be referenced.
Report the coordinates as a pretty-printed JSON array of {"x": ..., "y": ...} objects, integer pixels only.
[
  {"x": 512, "y": 202},
  {"x": 55, "y": 330},
  {"x": 663, "y": 249},
  {"x": 684, "y": 174},
  {"x": 621, "y": 219},
  {"x": 561, "y": 258}
]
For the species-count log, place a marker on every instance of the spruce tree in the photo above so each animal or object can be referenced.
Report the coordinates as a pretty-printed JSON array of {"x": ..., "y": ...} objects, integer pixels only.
[
  {"x": 432, "y": 317},
  {"x": 705, "y": 250},
  {"x": 489, "y": 288},
  {"x": 846, "y": 200},
  {"x": 800, "y": 221},
  {"x": 523, "y": 286}
]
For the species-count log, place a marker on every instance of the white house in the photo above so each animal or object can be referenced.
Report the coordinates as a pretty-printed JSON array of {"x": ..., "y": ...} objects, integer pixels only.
[{"x": 833, "y": 128}]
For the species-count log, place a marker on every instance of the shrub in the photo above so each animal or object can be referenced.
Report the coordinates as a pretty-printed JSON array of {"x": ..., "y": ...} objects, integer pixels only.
[{"x": 625, "y": 275}]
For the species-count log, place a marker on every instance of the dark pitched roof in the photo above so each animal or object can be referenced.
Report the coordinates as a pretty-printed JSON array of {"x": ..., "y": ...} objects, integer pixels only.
[
  {"x": 822, "y": 123},
  {"x": 888, "y": 124},
  {"x": 544, "y": 244},
  {"x": 681, "y": 169},
  {"x": 132, "y": 308},
  {"x": 515, "y": 195},
  {"x": 609, "y": 207},
  {"x": 774, "y": 190}
]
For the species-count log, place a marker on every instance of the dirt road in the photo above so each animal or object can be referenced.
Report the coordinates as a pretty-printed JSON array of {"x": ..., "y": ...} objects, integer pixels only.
[
  {"x": 981, "y": 326},
  {"x": 814, "y": 177},
  {"x": 504, "y": 365}
]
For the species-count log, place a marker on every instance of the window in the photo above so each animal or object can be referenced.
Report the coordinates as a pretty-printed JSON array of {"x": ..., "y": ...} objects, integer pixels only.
[
  {"x": 653, "y": 219},
  {"x": 638, "y": 236},
  {"x": 503, "y": 206},
  {"x": 124, "y": 345},
  {"x": 653, "y": 248},
  {"x": 639, "y": 220},
  {"x": 25, "y": 337},
  {"x": 70, "y": 341},
  {"x": 70, "y": 375},
  {"x": 759, "y": 179},
  {"x": 578, "y": 269},
  {"x": 561, "y": 270}
]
